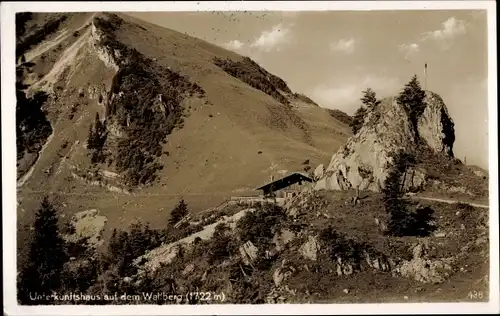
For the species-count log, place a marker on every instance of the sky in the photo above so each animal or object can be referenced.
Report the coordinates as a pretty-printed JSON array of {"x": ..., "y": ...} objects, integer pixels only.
[{"x": 332, "y": 56}]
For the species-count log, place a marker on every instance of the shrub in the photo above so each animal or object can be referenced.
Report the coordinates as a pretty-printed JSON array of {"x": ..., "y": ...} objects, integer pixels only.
[
  {"x": 178, "y": 212},
  {"x": 38, "y": 35},
  {"x": 252, "y": 74},
  {"x": 341, "y": 116},
  {"x": 32, "y": 126},
  {"x": 337, "y": 245},
  {"x": 125, "y": 246},
  {"x": 260, "y": 226},
  {"x": 358, "y": 120},
  {"x": 96, "y": 140}
]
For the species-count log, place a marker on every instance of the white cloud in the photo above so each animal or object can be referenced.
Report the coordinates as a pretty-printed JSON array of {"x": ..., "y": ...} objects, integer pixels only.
[
  {"x": 344, "y": 45},
  {"x": 450, "y": 29},
  {"x": 233, "y": 45},
  {"x": 409, "y": 49},
  {"x": 272, "y": 39},
  {"x": 346, "y": 97}
]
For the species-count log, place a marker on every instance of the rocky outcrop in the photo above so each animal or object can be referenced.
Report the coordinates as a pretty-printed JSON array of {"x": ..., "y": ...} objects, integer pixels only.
[
  {"x": 87, "y": 225},
  {"x": 283, "y": 272},
  {"x": 319, "y": 172},
  {"x": 309, "y": 249},
  {"x": 425, "y": 270},
  {"x": 248, "y": 252},
  {"x": 107, "y": 56},
  {"x": 435, "y": 125},
  {"x": 363, "y": 162}
]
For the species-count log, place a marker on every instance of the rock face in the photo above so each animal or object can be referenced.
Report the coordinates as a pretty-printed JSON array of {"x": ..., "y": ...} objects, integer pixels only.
[{"x": 363, "y": 161}]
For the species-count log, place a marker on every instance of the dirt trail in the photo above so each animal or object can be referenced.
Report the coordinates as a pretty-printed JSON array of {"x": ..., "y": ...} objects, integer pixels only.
[
  {"x": 449, "y": 201},
  {"x": 28, "y": 174}
]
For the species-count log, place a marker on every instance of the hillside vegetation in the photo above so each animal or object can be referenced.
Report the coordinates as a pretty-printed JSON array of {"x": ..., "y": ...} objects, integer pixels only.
[{"x": 141, "y": 116}]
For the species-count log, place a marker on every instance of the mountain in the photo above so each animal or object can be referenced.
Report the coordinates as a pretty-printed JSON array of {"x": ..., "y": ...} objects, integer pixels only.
[
  {"x": 177, "y": 117},
  {"x": 118, "y": 119}
]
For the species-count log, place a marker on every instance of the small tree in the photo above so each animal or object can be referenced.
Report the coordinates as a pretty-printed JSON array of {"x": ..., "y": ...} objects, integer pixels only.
[
  {"x": 358, "y": 120},
  {"x": 46, "y": 258},
  {"x": 178, "y": 212},
  {"x": 412, "y": 99},
  {"x": 401, "y": 222},
  {"x": 370, "y": 98}
]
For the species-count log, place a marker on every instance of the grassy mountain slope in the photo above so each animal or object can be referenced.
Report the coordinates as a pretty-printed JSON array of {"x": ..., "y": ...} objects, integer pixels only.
[{"x": 231, "y": 137}]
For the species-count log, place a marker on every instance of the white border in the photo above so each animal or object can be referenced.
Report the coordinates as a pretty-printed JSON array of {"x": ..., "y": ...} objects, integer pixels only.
[{"x": 9, "y": 174}]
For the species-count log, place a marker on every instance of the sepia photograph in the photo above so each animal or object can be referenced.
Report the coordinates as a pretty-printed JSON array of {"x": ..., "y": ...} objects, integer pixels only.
[{"x": 189, "y": 156}]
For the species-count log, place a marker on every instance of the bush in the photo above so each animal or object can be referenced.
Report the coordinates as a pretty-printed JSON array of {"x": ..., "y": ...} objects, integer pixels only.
[
  {"x": 96, "y": 140},
  {"x": 252, "y": 74},
  {"x": 358, "y": 120},
  {"x": 178, "y": 212},
  {"x": 260, "y": 226},
  {"x": 337, "y": 245},
  {"x": 32, "y": 126},
  {"x": 37, "y": 36},
  {"x": 125, "y": 246}
]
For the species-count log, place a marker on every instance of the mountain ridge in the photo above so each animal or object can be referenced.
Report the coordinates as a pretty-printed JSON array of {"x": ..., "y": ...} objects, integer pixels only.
[{"x": 233, "y": 132}]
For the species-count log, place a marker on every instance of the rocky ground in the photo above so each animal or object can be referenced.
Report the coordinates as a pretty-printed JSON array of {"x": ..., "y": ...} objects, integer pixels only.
[{"x": 325, "y": 249}]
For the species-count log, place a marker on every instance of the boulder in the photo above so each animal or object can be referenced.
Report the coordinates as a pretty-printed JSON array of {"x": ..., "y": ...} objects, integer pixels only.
[
  {"x": 364, "y": 161},
  {"x": 248, "y": 252},
  {"x": 310, "y": 248}
]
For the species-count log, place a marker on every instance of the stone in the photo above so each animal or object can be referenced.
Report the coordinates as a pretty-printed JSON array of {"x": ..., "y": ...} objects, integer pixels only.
[
  {"x": 188, "y": 269},
  {"x": 248, "y": 252},
  {"x": 310, "y": 248},
  {"x": 425, "y": 271},
  {"x": 319, "y": 172},
  {"x": 440, "y": 234}
]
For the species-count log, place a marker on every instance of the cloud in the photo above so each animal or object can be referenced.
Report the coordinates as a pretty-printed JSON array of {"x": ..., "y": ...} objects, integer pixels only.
[
  {"x": 450, "y": 29},
  {"x": 346, "y": 96},
  {"x": 409, "y": 49},
  {"x": 233, "y": 45},
  {"x": 272, "y": 39},
  {"x": 344, "y": 45}
]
